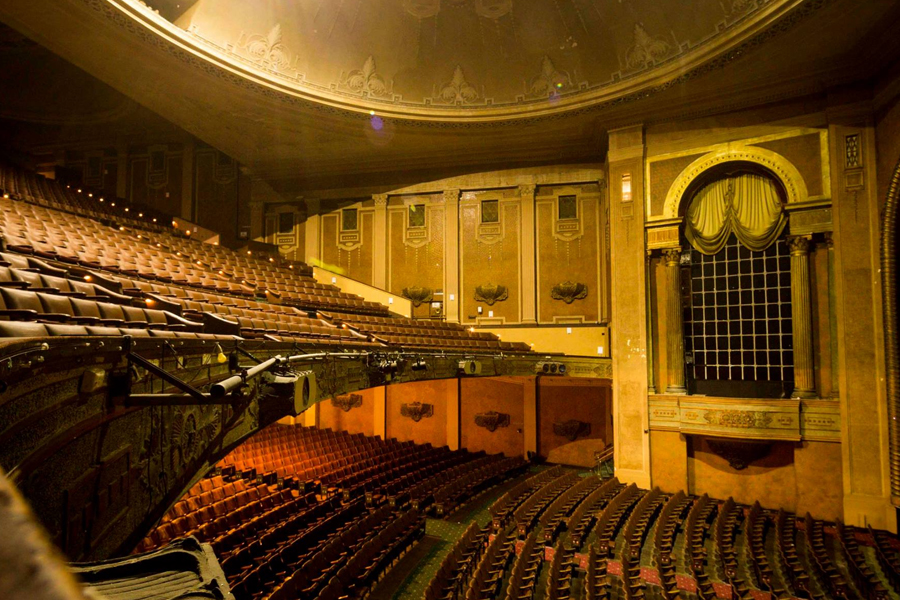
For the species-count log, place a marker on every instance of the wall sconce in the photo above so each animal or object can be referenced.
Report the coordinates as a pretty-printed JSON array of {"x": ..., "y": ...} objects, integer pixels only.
[{"x": 626, "y": 187}]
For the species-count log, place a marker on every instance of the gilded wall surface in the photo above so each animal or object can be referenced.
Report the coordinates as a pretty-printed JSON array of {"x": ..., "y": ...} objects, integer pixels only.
[
  {"x": 416, "y": 246},
  {"x": 347, "y": 248},
  {"x": 490, "y": 256}
]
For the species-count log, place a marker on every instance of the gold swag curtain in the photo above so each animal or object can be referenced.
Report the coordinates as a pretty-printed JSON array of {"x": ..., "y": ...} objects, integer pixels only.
[{"x": 747, "y": 205}]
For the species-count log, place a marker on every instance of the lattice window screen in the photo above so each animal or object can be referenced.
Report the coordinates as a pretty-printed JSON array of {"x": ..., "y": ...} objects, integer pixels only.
[{"x": 737, "y": 317}]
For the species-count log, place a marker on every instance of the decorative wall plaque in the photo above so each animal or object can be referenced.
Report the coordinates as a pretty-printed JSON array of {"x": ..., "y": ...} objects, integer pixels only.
[
  {"x": 739, "y": 454},
  {"x": 492, "y": 420},
  {"x": 572, "y": 429},
  {"x": 347, "y": 402},
  {"x": 417, "y": 411},
  {"x": 418, "y": 295},
  {"x": 569, "y": 292},
  {"x": 491, "y": 293}
]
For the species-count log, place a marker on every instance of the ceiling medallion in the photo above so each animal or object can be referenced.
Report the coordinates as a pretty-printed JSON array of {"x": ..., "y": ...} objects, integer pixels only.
[
  {"x": 347, "y": 402},
  {"x": 417, "y": 411},
  {"x": 492, "y": 420},
  {"x": 418, "y": 295},
  {"x": 458, "y": 90},
  {"x": 572, "y": 429},
  {"x": 422, "y": 9},
  {"x": 490, "y": 293},
  {"x": 569, "y": 292}
]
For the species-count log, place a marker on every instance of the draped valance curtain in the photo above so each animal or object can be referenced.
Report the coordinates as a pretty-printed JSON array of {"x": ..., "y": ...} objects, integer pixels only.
[{"x": 747, "y": 205}]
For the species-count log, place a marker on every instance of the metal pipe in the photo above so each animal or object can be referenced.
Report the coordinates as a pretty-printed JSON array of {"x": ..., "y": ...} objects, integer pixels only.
[
  {"x": 226, "y": 386},
  {"x": 892, "y": 344}
]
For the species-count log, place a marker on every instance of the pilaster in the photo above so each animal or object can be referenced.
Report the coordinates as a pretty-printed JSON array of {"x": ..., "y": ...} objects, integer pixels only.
[
  {"x": 452, "y": 248},
  {"x": 379, "y": 410},
  {"x": 860, "y": 343},
  {"x": 629, "y": 334},
  {"x": 380, "y": 242},
  {"x": 187, "y": 180},
  {"x": 528, "y": 288},
  {"x": 454, "y": 393}
]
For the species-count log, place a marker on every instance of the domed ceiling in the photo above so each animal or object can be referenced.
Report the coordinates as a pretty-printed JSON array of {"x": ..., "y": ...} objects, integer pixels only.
[{"x": 434, "y": 56}]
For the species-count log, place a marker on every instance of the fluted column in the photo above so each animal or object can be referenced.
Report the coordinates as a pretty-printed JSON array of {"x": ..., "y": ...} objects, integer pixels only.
[
  {"x": 528, "y": 289},
  {"x": 832, "y": 318},
  {"x": 801, "y": 317},
  {"x": 651, "y": 380},
  {"x": 452, "y": 248},
  {"x": 674, "y": 323}
]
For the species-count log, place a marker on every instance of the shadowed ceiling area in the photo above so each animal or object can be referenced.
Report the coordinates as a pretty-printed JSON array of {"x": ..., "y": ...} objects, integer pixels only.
[{"x": 464, "y": 53}]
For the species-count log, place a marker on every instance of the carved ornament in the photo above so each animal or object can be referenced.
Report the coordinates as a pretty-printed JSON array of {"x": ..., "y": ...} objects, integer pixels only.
[
  {"x": 646, "y": 49},
  {"x": 572, "y": 429},
  {"x": 492, "y": 420},
  {"x": 268, "y": 48},
  {"x": 458, "y": 90},
  {"x": 550, "y": 82},
  {"x": 418, "y": 295},
  {"x": 490, "y": 293},
  {"x": 739, "y": 454},
  {"x": 366, "y": 81},
  {"x": 347, "y": 402},
  {"x": 569, "y": 292},
  {"x": 740, "y": 419},
  {"x": 417, "y": 411}
]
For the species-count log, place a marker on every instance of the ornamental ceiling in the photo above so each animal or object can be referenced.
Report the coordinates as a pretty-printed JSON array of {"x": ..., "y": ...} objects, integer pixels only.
[{"x": 471, "y": 54}]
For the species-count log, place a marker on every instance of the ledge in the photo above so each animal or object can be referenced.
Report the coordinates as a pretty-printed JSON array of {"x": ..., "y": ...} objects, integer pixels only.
[{"x": 746, "y": 418}]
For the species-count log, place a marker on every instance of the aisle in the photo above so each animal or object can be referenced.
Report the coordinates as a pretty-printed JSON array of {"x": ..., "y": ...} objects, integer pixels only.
[{"x": 409, "y": 579}]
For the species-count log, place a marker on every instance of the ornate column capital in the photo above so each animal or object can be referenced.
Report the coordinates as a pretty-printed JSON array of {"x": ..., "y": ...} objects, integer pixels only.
[
  {"x": 380, "y": 199},
  {"x": 672, "y": 256},
  {"x": 451, "y": 195},
  {"x": 527, "y": 189},
  {"x": 798, "y": 244}
]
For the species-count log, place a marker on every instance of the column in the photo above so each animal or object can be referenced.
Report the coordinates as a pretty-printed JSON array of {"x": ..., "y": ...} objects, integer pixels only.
[
  {"x": 451, "y": 256},
  {"x": 832, "y": 319},
  {"x": 311, "y": 251},
  {"x": 674, "y": 323},
  {"x": 651, "y": 383},
  {"x": 801, "y": 317},
  {"x": 530, "y": 425},
  {"x": 529, "y": 281},
  {"x": 379, "y": 399}
]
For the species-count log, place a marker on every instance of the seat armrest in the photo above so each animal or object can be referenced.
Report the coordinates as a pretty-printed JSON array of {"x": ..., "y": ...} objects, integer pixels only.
[
  {"x": 174, "y": 319},
  {"x": 19, "y": 285},
  {"x": 213, "y": 323},
  {"x": 80, "y": 295},
  {"x": 19, "y": 314}
]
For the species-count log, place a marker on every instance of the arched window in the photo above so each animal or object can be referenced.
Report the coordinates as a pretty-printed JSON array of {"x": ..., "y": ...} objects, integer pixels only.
[{"x": 737, "y": 288}]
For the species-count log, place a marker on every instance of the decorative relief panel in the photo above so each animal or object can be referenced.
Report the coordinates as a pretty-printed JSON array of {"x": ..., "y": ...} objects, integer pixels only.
[
  {"x": 418, "y": 295},
  {"x": 347, "y": 402},
  {"x": 568, "y": 292},
  {"x": 268, "y": 49},
  {"x": 492, "y": 420},
  {"x": 417, "y": 411},
  {"x": 572, "y": 429},
  {"x": 366, "y": 81},
  {"x": 490, "y": 293}
]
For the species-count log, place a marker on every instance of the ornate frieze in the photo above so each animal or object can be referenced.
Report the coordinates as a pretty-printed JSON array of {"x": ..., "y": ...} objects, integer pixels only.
[
  {"x": 366, "y": 81},
  {"x": 775, "y": 419},
  {"x": 457, "y": 90}
]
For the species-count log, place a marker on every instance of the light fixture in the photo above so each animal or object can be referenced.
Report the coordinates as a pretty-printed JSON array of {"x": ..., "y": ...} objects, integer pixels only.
[
  {"x": 87, "y": 277},
  {"x": 419, "y": 365},
  {"x": 626, "y": 187}
]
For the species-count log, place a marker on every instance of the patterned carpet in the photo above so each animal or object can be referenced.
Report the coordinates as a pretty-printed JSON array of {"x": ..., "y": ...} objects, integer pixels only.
[{"x": 409, "y": 579}]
